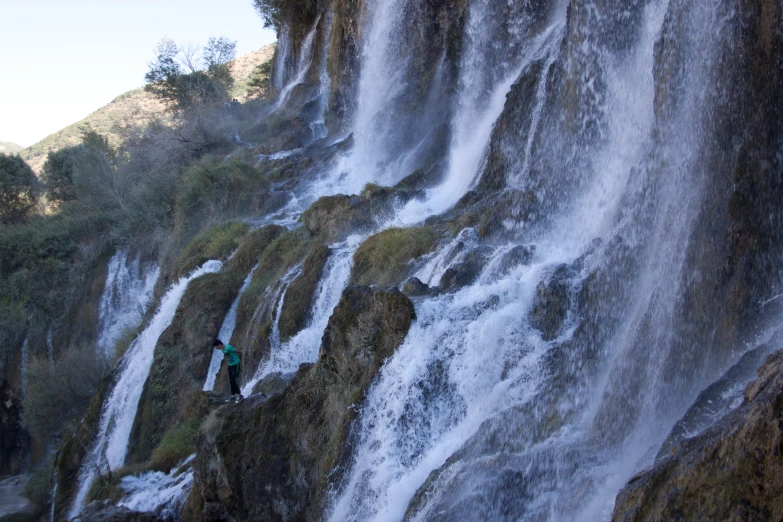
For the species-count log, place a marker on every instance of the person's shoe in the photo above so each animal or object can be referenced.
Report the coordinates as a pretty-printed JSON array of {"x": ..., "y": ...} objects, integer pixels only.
[{"x": 239, "y": 398}]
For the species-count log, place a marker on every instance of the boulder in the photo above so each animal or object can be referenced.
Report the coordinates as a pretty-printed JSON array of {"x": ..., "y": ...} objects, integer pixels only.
[
  {"x": 415, "y": 288},
  {"x": 465, "y": 272},
  {"x": 731, "y": 471},
  {"x": 275, "y": 459}
]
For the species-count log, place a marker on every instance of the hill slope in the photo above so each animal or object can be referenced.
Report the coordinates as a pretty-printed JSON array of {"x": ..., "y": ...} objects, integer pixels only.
[
  {"x": 6, "y": 147},
  {"x": 132, "y": 109}
]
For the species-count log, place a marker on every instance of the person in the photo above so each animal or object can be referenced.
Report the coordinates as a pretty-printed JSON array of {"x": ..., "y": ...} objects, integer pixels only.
[{"x": 231, "y": 355}]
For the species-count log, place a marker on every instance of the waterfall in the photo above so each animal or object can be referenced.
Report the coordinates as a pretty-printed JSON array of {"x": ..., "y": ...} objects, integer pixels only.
[
  {"x": 473, "y": 404},
  {"x": 119, "y": 409},
  {"x": 226, "y": 331},
  {"x": 477, "y": 113},
  {"x": 303, "y": 64},
  {"x": 318, "y": 126},
  {"x": 303, "y": 347},
  {"x": 126, "y": 296},
  {"x": 281, "y": 61}
]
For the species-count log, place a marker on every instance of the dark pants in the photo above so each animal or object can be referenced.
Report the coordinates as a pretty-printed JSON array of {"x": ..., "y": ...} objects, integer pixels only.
[{"x": 233, "y": 378}]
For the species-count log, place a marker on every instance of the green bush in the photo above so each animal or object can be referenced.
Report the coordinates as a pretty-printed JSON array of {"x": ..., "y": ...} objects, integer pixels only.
[{"x": 383, "y": 258}]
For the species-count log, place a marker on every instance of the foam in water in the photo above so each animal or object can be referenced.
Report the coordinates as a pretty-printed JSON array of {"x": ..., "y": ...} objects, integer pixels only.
[
  {"x": 158, "y": 492},
  {"x": 120, "y": 407},
  {"x": 226, "y": 331},
  {"x": 126, "y": 296},
  {"x": 303, "y": 347}
]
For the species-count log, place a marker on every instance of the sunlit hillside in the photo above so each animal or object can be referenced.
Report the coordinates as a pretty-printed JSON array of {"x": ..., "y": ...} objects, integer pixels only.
[{"x": 132, "y": 109}]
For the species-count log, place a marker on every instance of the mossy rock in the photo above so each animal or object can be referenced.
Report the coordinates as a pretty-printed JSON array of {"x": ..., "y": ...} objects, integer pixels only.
[
  {"x": 252, "y": 247},
  {"x": 383, "y": 258},
  {"x": 334, "y": 217},
  {"x": 181, "y": 360},
  {"x": 277, "y": 458},
  {"x": 216, "y": 243},
  {"x": 301, "y": 292}
]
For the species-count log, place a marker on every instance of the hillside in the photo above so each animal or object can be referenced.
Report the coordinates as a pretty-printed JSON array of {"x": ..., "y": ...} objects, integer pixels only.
[
  {"x": 131, "y": 109},
  {"x": 6, "y": 147}
]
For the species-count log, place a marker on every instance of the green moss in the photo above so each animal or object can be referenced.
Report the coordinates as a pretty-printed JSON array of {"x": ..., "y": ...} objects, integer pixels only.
[
  {"x": 252, "y": 248},
  {"x": 175, "y": 446},
  {"x": 216, "y": 243},
  {"x": 383, "y": 258}
]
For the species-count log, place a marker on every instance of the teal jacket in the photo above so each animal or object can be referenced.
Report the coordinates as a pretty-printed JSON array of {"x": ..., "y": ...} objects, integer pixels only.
[{"x": 230, "y": 355}]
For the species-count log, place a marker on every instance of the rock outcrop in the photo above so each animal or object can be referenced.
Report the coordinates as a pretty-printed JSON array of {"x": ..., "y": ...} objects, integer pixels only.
[
  {"x": 731, "y": 471},
  {"x": 273, "y": 459}
]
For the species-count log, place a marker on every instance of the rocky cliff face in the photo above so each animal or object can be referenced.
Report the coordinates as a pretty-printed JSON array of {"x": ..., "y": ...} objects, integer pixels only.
[
  {"x": 274, "y": 458},
  {"x": 731, "y": 471}
]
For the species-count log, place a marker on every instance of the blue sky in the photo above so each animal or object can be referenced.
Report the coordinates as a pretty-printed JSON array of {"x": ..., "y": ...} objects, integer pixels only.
[{"x": 60, "y": 60}]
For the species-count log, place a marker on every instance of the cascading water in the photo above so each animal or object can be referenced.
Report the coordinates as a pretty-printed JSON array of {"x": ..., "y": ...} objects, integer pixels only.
[
  {"x": 126, "y": 297},
  {"x": 119, "y": 410},
  {"x": 473, "y": 405},
  {"x": 303, "y": 64},
  {"x": 318, "y": 126},
  {"x": 303, "y": 347},
  {"x": 157, "y": 492},
  {"x": 281, "y": 60},
  {"x": 226, "y": 331}
]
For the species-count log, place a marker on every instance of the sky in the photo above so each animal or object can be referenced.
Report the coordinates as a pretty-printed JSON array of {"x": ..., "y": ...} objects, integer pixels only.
[{"x": 61, "y": 60}]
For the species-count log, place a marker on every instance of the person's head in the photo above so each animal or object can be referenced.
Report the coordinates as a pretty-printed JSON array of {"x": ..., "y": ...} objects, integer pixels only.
[{"x": 217, "y": 344}]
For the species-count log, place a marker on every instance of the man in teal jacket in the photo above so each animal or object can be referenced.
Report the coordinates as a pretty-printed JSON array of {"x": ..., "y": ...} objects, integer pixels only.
[{"x": 231, "y": 355}]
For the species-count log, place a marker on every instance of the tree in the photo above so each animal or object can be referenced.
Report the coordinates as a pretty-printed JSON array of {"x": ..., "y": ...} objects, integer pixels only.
[
  {"x": 57, "y": 176},
  {"x": 17, "y": 189},
  {"x": 165, "y": 78},
  {"x": 163, "y": 72},
  {"x": 259, "y": 79}
]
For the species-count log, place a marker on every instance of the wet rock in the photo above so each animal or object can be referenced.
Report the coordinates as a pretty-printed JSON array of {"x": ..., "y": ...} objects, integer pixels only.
[
  {"x": 732, "y": 471},
  {"x": 519, "y": 255},
  {"x": 274, "y": 383},
  {"x": 415, "y": 288},
  {"x": 275, "y": 459},
  {"x": 465, "y": 272},
  {"x": 301, "y": 292},
  {"x": 552, "y": 302}
]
